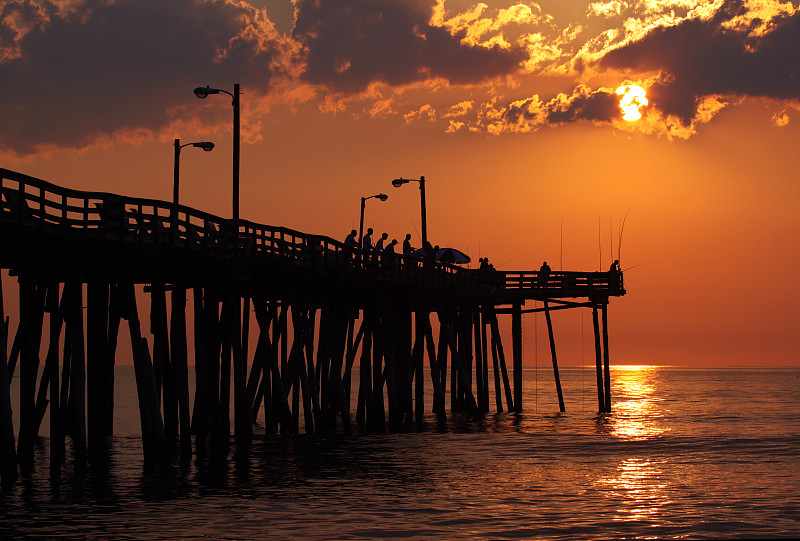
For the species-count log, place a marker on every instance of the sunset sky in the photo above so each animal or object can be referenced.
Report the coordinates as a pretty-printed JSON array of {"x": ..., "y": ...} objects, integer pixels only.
[{"x": 509, "y": 109}]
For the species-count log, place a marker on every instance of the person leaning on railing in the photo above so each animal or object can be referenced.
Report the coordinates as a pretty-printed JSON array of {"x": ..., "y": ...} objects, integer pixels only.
[{"x": 614, "y": 274}]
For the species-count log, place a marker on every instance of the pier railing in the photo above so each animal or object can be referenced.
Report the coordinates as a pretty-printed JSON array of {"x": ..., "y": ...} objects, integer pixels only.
[{"x": 37, "y": 205}]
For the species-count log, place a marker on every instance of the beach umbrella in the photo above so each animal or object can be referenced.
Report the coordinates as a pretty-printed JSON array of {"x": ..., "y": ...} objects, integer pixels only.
[{"x": 451, "y": 255}]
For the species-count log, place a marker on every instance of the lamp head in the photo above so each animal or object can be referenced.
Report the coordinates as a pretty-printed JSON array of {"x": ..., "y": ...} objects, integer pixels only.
[
  {"x": 383, "y": 197},
  {"x": 203, "y": 92},
  {"x": 207, "y": 146},
  {"x": 399, "y": 182}
]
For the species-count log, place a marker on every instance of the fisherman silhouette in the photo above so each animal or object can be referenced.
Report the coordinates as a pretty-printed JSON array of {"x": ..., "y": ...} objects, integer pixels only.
[
  {"x": 366, "y": 241},
  {"x": 544, "y": 274},
  {"x": 407, "y": 248},
  {"x": 350, "y": 240},
  {"x": 379, "y": 244}
]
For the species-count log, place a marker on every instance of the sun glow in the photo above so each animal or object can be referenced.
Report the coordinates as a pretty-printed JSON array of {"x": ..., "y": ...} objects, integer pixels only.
[{"x": 633, "y": 97}]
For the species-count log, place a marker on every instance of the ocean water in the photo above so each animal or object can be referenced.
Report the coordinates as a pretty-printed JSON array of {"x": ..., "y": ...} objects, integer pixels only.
[{"x": 686, "y": 453}]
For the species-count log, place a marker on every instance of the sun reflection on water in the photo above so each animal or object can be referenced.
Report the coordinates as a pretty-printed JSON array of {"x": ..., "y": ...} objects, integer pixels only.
[
  {"x": 640, "y": 488},
  {"x": 636, "y": 410}
]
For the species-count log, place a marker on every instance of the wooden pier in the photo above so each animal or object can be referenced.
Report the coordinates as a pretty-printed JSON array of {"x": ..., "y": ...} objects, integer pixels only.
[{"x": 318, "y": 308}]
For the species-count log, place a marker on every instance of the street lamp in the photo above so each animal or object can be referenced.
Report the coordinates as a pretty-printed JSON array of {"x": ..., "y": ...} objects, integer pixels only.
[
  {"x": 399, "y": 182},
  {"x": 204, "y": 92},
  {"x": 207, "y": 146},
  {"x": 382, "y": 197}
]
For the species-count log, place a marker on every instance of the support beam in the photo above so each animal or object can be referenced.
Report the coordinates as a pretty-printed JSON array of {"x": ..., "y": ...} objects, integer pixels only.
[
  {"x": 606, "y": 359},
  {"x": 77, "y": 379},
  {"x": 601, "y": 404},
  {"x": 8, "y": 453},
  {"x": 153, "y": 440},
  {"x": 516, "y": 343},
  {"x": 498, "y": 345},
  {"x": 179, "y": 358},
  {"x": 554, "y": 357},
  {"x": 97, "y": 297}
]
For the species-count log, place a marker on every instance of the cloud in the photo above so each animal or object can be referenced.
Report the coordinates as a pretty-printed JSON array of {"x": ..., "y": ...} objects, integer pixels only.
[
  {"x": 531, "y": 114},
  {"x": 350, "y": 45},
  {"x": 693, "y": 64},
  {"x": 735, "y": 53},
  {"x": 89, "y": 69}
]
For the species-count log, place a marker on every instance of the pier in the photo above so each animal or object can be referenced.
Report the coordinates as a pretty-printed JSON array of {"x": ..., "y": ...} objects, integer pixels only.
[{"x": 318, "y": 308}]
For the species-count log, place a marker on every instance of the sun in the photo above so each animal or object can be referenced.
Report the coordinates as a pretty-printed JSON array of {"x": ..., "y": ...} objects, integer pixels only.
[{"x": 633, "y": 97}]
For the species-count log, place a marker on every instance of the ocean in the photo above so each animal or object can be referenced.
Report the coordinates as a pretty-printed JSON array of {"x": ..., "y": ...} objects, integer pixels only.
[{"x": 686, "y": 453}]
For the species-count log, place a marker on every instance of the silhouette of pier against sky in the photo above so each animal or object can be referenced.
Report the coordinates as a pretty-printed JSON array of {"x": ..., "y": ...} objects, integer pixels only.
[{"x": 318, "y": 305}]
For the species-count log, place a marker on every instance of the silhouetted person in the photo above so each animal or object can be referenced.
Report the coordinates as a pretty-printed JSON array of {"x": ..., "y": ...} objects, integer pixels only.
[
  {"x": 614, "y": 275},
  {"x": 366, "y": 241},
  {"x": 350, "y": 244},
  {"x": 350, "y": 240},
  {"x": 379, "y": 244},
  {"x": 544, "y": 274},
  {"x": 484, "y": 263},
  {"x": 407, "y": 248},
  {"x": 388, "y": 252},
  {"x": 428, "y": 255}
]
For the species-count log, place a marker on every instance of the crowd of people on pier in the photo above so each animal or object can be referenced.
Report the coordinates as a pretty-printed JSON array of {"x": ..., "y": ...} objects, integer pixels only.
[{"x": 380, "y": 246}]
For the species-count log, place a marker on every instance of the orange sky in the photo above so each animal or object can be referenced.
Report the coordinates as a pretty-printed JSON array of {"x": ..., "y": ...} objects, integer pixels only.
[{"x": 712, "y": 229}]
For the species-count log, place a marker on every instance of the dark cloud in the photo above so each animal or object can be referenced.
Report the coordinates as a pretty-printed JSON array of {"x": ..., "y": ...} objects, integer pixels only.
[
  {"x": 532, "y": 113},
  {"x": 727, "y": 54},
  {"x": 72, "y": 72},
  {"x": 351, "y": 44}
]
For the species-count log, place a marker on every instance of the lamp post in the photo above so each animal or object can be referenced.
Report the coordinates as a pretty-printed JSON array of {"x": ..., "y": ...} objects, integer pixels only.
[
  {"x": 382, "y": 197},
  {"x": 399, "y": 182},
  {"x": 207, "y": 146},
  {"x": 202, "y": 93}
]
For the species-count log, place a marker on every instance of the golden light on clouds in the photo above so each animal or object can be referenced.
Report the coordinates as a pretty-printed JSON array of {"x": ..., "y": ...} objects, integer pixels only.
[{"x": 632, "y": 98}]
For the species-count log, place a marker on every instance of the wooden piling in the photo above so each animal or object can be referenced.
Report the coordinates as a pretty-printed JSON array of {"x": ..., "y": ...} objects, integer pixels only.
[
  {"x": 225, "y": 360},
  {"x": 51, "y": 307},
  {"x": 77, "y": 381},
  {"x": 471, "y": 404},
  {"x": 55, "y": 308},
  {"x": 516, "y": 348},
  {"x": 8, "y": 453},
  {"x": 243, "y": 429},
  {"x": 438, "y": 391},
  {"x": 162, "y": 364},
  {"x": 179, "y": 363},
  {"x": 202, "y": 395},
  {"x": 496, "y": 372},
  {"x": 554, "y": 357},
  {"x": 97, "y": 298},
  {"x": 601, "y": 404},
  {"x": 153, "y": 438},
  {"x": 29, "y": 366},
  {"x": 114, "y": 318},
  {"x": 606, "y": 359},
  {"x": 417, "y": 355},
  {"x": 482, "y": 323},
  {"x": 498, "y": 345}
]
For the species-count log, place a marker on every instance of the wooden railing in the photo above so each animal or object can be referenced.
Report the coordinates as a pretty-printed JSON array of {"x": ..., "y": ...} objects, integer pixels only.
[
  {"x": 583, "y": 283},
  {"x": 35, "y": 204},
  {"x": 39, "y": 205}
]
